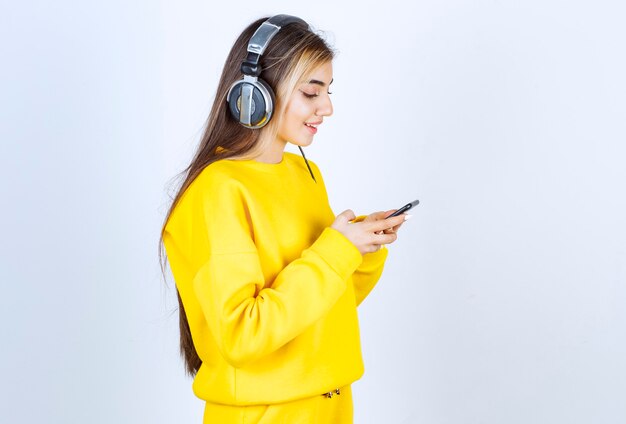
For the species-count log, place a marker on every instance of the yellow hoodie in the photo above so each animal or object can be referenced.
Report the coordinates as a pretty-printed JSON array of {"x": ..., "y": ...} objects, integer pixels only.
[{"x": 269, "y": 289}]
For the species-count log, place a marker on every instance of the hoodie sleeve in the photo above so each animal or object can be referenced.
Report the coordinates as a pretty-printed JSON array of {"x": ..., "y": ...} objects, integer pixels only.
[
  {"x": 249, "y": 316},
  {"x": 368, "y": 273}
]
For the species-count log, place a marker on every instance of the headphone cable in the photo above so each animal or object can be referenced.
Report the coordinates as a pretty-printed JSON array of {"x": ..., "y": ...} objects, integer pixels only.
[{"x": 307, "y": 163}]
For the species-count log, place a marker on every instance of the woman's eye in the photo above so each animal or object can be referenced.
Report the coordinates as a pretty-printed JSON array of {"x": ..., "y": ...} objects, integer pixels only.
[{"x": 310, "y": 96}]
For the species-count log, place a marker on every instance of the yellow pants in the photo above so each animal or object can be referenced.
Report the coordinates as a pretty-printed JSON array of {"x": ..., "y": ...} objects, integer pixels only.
[{"x": 318, "y": 409}]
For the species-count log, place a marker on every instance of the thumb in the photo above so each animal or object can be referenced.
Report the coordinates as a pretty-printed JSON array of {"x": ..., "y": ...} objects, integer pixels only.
[
  {"x": 346, "y": 215},
  {"x": 389, "y": 212}
]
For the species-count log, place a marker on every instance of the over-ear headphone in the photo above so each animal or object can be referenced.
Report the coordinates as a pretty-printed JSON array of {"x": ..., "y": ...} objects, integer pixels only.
[{"x": 251, "y": 100}]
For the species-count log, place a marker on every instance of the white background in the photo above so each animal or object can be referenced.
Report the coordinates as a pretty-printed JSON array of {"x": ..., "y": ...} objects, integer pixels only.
[{"x": 503, "y": 301}]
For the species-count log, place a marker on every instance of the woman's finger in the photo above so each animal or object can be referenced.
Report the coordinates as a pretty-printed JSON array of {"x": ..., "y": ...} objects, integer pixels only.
[
  {"x": 389, "y": 212},
  {"x": 384, "y": 224},
  {"x": 406, "y": 218},
  {"x": 396, "y": 228},
  {"x": 385, "y": 238},
  {"x": 375, "y": 216}
]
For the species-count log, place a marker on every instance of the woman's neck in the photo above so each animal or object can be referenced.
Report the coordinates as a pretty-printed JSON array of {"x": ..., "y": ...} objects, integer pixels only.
[{"x": 273, "y": 153}]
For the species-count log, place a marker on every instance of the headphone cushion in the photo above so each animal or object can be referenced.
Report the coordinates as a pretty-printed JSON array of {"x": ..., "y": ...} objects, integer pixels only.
[{"x": 261, "y": 110}]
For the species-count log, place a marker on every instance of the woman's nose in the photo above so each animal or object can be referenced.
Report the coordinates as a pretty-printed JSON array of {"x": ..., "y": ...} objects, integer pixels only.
[{"x": 326, "y": 107}]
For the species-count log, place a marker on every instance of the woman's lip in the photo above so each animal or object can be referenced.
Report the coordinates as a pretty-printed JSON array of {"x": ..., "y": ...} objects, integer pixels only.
[{"x": 313, "y": 130}]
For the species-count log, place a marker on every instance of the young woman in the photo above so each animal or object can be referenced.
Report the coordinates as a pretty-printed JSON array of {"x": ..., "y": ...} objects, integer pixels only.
[{"x": 268, "y": 278}]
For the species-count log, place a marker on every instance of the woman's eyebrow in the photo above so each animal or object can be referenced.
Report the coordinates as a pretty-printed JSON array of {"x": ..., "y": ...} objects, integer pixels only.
[{"x": 318, "y": 82}]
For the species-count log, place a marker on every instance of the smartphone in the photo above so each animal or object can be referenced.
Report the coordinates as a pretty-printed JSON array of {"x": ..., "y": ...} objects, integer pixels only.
[{"x": 404, "y": 208}]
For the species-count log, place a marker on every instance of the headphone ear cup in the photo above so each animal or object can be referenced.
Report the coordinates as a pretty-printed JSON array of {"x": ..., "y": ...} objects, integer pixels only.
[
  {"x": 270, "y": 102},
  {"x": 262, "y": 102}
]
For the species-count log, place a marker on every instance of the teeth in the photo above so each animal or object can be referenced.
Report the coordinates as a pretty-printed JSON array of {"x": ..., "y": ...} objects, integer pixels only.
[{"x": 310, "y": 125}]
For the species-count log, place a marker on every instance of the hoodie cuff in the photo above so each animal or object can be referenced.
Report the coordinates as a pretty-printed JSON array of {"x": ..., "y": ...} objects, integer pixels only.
[{"x": 338, "y": 252}]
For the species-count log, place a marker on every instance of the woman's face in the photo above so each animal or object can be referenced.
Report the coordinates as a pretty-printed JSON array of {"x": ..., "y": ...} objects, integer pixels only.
[{"x": 307, "y": 107}]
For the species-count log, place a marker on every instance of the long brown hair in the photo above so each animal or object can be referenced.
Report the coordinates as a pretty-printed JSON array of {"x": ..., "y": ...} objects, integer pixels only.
[{"x": 294, "y": 51}]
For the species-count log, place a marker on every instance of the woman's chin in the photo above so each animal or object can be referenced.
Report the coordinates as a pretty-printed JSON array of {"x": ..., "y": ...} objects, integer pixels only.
[{"x": 302, "y": 143}]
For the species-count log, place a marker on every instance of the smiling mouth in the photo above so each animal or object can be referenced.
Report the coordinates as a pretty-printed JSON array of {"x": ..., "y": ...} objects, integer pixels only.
[{"x": 311, "y": 127}]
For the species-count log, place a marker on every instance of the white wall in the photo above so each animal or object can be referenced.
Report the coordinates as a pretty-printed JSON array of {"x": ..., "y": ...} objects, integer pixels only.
[{"x": 503, "y": 300}]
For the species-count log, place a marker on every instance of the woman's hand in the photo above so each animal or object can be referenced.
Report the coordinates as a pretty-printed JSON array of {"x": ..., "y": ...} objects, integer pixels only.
[
  {"x": 376, "y": 216},
  {"x": 368, "y": 235}
]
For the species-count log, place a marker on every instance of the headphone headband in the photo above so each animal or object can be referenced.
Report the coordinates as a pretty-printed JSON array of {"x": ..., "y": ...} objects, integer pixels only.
[{"x": 261, "y": 39}]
